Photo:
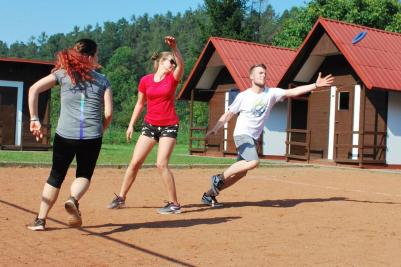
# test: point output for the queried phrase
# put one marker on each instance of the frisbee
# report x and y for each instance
(359, 37)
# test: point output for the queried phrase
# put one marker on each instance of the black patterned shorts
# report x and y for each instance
(156, 132)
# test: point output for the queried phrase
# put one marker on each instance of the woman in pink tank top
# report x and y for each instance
(157, 90)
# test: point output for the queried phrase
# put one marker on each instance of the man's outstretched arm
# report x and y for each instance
(320, 82)
(223, 119)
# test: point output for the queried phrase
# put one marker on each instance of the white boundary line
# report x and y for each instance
(334, 188)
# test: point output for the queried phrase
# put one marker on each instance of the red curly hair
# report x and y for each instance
(77, 61)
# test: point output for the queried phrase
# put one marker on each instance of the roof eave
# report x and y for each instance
(194, 69)
(347, 56)
(230, 68)
(28, 61)
(292, 66)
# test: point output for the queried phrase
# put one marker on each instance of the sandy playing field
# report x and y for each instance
(274, 217)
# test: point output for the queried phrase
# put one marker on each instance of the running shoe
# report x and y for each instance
(211, 201)
(72, 207)
(37, 225)
(170, 208)
(116, 203)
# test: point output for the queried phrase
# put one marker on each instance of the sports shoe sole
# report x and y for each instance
(169, 212)
(36, 227)
(74, 219)
(119, 206)
(213, 205)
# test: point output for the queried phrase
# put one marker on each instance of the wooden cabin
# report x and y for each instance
(16, 76)
(357, 120)
(220, 72)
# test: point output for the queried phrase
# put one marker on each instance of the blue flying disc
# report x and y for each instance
(359, 37)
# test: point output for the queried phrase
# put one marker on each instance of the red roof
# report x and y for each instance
(22, 60)
(238, 56)
(376, 58)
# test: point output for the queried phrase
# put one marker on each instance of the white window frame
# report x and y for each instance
(18, 118)
(357, 116)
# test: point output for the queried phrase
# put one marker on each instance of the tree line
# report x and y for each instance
(125, 46)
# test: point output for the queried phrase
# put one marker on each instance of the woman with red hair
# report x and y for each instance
(85, 113)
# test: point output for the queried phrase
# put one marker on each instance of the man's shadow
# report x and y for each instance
(288, 203)
(159, 224)
(280, 203)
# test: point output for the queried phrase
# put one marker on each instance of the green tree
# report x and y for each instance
(269, 25)
(31, 49)
(381, 14)
(110, 39)
(3, 49)
(225, 18)
(18, 49)
(119, 71)
(395, 25)
(54, 43)
(261, 22)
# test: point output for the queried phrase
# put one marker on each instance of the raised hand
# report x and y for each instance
(170, 41)
(325, 81)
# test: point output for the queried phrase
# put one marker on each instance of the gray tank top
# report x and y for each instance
(81, 113)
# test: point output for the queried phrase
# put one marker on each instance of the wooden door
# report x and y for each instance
(318, 122)
(8, 114)
(216, 109)
(344, 121)
(298, 121)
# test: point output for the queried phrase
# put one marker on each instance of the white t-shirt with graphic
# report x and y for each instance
(254, 109)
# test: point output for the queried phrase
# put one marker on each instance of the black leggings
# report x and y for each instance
(64, 151)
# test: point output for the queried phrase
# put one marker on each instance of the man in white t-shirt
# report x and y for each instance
(254, 106)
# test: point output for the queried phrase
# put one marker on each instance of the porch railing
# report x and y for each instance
(298, 144)
(199, 138)
(378, 147)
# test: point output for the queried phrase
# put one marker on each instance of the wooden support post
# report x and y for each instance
(191, 114)
(309, 132)
(1, 135)
(308, 140)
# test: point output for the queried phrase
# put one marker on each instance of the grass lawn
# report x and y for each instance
(115, 155)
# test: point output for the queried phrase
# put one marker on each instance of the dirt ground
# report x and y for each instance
(274, 217)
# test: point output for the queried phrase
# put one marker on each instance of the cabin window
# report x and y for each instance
(232, 94)
(343, 101)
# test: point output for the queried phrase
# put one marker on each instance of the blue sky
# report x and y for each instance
(22, 19)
